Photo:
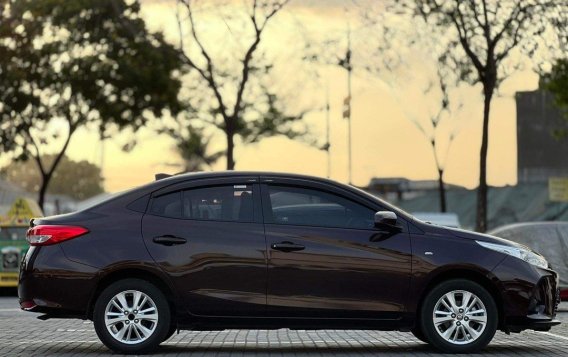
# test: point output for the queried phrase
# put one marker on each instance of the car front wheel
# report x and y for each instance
(459, 316)
(131, 316)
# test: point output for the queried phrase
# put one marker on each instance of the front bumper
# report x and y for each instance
(530, 296)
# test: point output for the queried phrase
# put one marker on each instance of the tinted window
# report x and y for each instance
(220, 203)
(168, 205)
(301, 206)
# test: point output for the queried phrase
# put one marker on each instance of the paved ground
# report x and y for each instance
(22, 334)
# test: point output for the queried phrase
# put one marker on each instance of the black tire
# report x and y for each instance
(433, 334)
(418, 334)
(160, 329)
(171, 331)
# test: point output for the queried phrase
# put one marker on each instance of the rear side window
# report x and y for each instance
(303, 206)
(216, 203)
(168, 205)
(219, 203)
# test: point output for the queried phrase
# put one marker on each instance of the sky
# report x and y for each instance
(385, 143)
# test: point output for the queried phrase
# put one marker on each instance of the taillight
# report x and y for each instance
(48, 235)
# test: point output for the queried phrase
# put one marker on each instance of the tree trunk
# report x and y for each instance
(46, 175)
(230, 149)
(481, 221)
(442, 191)
(45, 179)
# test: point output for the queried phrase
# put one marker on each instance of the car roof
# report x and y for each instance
(131, 194)
(232, 173)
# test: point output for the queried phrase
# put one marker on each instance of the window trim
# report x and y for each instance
(211, 182)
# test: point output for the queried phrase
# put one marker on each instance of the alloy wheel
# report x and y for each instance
(131, 317)
(460, 317)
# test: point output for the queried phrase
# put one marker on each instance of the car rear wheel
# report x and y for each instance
(459, 316)
(132, 316)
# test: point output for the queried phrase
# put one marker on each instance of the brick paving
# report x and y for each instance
(21, 334)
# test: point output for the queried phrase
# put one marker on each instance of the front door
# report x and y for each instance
(326, 258)
(209, 238)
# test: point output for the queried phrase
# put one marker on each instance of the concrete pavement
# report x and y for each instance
(22, 334)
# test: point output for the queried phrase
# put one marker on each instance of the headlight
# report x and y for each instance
(524, 254)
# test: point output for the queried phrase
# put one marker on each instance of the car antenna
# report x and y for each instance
(161, 176)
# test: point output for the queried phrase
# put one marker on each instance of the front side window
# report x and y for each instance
(303, 206)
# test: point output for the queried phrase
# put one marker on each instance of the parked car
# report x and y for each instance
(209, 251)
(547, 238)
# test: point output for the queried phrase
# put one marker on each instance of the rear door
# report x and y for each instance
(326, 258)
(208, 236)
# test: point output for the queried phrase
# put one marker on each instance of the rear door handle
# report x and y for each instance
(169, 240)
(287, 247)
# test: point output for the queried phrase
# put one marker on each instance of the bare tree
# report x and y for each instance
(433, 131)
(484, 34)
(243, 105)
(391, 58)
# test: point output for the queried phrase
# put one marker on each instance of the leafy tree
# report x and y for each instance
(77, 179)
(484, 35)
(556, 81)
(244, 104)
(66, 65)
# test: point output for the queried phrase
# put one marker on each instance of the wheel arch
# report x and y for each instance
(485, 280)
(133, 273)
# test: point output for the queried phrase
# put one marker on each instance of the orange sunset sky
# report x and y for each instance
(385, 142)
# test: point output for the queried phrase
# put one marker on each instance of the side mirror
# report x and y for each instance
(385, 218)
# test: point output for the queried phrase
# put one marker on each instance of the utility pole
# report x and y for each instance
(327, 146)
(347, 109)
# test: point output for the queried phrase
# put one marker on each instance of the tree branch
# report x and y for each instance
(512, 16)
(250, 52)
(207, 74)
(465, 43)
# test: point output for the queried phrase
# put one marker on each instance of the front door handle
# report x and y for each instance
(169, 240)
(287, 246)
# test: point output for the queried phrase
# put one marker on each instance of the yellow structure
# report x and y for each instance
(558, 189)
(13, 244)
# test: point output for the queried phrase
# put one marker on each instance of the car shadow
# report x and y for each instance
(416, 349)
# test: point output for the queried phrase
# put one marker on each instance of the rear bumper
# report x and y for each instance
(52, 284)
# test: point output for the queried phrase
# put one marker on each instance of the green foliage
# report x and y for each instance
(557, 82)
(82, 63)
(77, 179)
(89, 60)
